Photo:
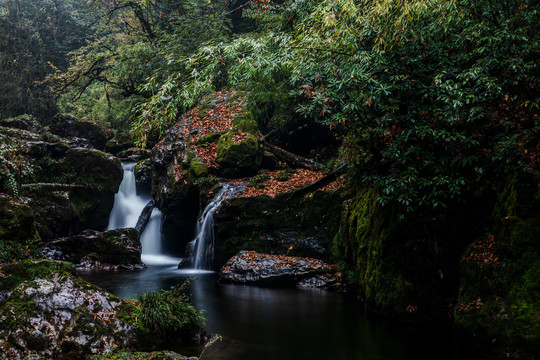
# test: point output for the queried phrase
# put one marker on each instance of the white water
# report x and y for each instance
(202, 248)
(127, 204)
(127, 208)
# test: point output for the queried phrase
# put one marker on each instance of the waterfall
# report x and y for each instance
(128, 207)
(202, 247)
(127, 204)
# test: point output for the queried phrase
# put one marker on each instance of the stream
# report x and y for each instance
(270, 323)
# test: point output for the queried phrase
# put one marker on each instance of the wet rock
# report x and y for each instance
(111, 249)
(69, 126)
(250, 267)
(49, 311)
(143, 176)
(23, 122)
(145, 216)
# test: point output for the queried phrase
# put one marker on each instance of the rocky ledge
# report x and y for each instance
(109, 250)
(250, 267)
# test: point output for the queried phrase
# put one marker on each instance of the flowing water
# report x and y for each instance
(127, 208)
(202, 247)
(259, 323)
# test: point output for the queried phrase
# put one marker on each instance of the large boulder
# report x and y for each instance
(250, 267)
(238, 154)
(111, 249)
(71, 127)
(47, 310)
(18, 232)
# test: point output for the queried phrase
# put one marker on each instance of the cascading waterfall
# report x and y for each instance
(202, 248)
(126, 211)
(127, 204)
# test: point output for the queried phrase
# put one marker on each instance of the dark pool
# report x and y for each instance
(263, 324)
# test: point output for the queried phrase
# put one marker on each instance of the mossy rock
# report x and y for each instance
(69, 126)
(128, 355)
(80, 319)
(211, 138)
(197, 169)
(119, 143)
(94, 168)
(363, 247)
(112, 247)
(238, 157)
(19, 272)
(18, 232)
(300, 227)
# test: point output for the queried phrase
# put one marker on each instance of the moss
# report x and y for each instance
(245, 122)
(238, 158)
(16, 273)
(209, 139)
(364, 252)
(197, 169)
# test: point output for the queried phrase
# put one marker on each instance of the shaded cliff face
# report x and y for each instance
(477, 264)
(302, 226)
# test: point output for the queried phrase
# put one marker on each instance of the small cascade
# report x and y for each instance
(127, 204)
(138, 211)
(202, 247)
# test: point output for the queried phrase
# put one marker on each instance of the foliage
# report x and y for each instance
(432, 98)
(14, 167)
(34, 35)
(140, 55)
(168, 311)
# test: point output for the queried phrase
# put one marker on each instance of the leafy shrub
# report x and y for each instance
(13, 166)
(168, 311)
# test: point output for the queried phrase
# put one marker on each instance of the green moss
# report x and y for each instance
(364, 252)
(209, 139)
(197, 169)
(238, 158)
(245, 122)
(17, 273)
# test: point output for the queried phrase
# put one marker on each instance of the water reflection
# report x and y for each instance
(266, 324)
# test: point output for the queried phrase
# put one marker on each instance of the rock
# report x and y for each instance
(120, 142)
(23, 122)
(100, 169)
(134, 154)
(18, 232)
(49, 311)
(145, 216)
(250, 267)
(238, 154)
(143, 176)
(156, 355)
(114, 249)
(299, 227)
(69, 126)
